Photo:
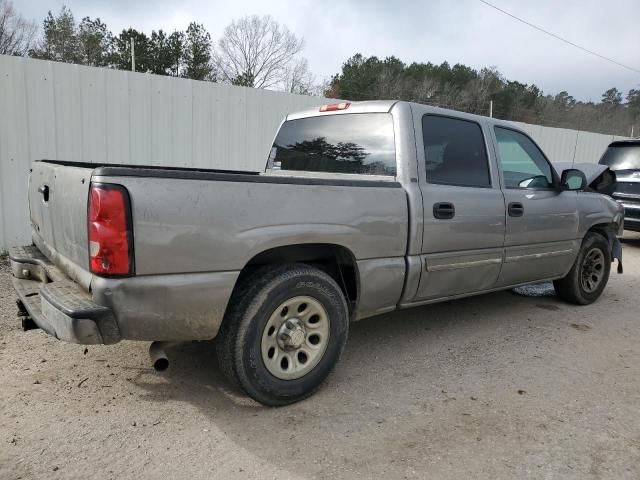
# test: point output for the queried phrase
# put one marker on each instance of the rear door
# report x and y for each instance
(464, 211)
(542, 222)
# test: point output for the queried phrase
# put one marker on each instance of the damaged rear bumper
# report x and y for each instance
(56, 304)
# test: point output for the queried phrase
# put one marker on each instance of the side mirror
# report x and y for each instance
(573, 179)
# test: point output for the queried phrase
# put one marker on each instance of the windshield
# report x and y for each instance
(352, 143)
(623, 157)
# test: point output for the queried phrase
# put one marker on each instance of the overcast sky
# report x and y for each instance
(464, 31)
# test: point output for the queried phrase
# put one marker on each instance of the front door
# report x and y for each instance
(464, 211)
(542, 222)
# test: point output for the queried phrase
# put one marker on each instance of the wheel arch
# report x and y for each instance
(606, 229)
(336, 260)
(609, 231)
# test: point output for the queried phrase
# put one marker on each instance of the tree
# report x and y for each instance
(16, 33)
(612, 97)
(256, 52)
(358, 79)
(160, 59)
(121, 58)
(633, 103)
(60, 40)
(298, 79)
(463, 88)
(198, 53)
(564, 99)
(175, 47)
(95, 43)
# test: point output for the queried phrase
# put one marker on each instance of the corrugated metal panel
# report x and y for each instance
(76, 113)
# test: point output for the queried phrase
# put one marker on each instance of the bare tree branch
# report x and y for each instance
(16, 33)
(257, 52)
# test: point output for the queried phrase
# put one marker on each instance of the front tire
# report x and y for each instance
(588, 277)
(283, 333)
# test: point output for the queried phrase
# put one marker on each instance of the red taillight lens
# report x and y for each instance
(332, 107)
(110, 233)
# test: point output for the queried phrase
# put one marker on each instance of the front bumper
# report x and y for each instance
(631, 214)
(58, 305)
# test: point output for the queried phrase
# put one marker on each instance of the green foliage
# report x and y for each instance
(463, 88)
(121, 58)
(166, 53)
(187, 54)
(60, 40)
(612, 97)
(633, 102)
(95, 43)
(198, 53)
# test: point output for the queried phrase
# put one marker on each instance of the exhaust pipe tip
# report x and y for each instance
(158, 356)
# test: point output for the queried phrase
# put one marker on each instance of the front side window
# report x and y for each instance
(359, 143)
(455, 152)
(523, 164)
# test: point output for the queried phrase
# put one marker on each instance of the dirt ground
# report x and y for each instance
(498, 386)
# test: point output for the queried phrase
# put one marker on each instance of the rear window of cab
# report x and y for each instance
(358, 143)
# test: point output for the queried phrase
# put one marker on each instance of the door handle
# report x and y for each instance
(44, 190)
(516, 209)
(444, 210)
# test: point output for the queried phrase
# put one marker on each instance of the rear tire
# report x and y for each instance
(284, 331)
(589, 275)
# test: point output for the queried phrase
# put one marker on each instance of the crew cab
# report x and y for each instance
(363, 208)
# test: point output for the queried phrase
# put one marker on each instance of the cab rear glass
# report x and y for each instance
(358, 143)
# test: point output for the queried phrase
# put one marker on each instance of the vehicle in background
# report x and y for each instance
(623, 158)
(362, 209)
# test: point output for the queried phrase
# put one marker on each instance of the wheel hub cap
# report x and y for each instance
(291, 334)
(295, 337)
(593, 269)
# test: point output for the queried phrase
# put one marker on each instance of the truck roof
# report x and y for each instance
(370, 106)
(625, 143)
(384, 106)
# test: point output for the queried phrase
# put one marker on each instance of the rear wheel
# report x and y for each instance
(589, 275)
(283, 333)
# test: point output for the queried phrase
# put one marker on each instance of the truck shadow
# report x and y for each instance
(395, 365)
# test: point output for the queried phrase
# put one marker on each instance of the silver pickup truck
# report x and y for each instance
(363, 208)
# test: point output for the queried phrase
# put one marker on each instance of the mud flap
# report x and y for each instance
(616, 251)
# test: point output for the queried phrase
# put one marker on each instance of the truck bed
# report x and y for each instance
(195, 230)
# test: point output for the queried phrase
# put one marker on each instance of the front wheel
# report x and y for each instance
(283, 333)
(589, 275)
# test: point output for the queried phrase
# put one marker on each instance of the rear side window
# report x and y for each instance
(351, 143)
(455, 152)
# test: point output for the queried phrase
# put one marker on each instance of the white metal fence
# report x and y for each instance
(70, 112)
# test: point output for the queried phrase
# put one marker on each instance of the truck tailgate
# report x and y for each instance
(58, 196)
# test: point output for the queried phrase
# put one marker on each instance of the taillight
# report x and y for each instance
(332, 107)
(110, 230)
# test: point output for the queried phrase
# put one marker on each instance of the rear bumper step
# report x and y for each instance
(60, 307)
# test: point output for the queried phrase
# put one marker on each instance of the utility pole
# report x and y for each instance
(133, 56)
(490, 108)
(632, 130)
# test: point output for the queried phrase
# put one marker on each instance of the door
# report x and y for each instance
(464, 211)
(542, 222)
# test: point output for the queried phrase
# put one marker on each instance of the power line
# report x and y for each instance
(560, 38)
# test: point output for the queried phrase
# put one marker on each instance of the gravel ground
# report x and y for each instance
(498, 386)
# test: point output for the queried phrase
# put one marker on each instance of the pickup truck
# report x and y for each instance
(363, 208)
